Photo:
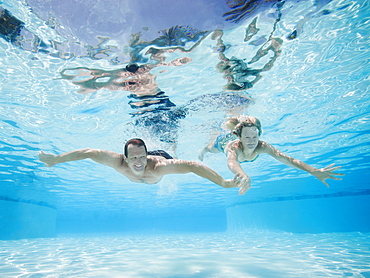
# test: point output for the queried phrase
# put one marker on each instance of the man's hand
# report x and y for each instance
(243, 182)
(327, 173)
(48, 159)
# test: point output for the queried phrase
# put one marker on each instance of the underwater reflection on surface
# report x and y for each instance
(154, 112)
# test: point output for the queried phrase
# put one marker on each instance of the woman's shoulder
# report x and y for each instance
(234, 146)
(236, 143)
(263, 146)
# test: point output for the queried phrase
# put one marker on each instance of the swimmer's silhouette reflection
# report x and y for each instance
(138, 80)
(240, 75)
(242, 9)
(13, 30)
(152, 107)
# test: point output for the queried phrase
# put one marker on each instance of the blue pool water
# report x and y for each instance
(300, 67)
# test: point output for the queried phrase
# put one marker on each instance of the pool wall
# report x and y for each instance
(311, 215)
(318, 215)
(175, 223)
(300, 205)
(343, 207)
(20, 220)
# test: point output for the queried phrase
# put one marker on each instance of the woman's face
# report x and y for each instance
(249, 137)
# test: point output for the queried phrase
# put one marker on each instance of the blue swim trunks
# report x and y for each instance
(160, 153)
(224, 139)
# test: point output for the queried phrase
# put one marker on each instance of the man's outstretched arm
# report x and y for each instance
(103, 157)
(177, 166)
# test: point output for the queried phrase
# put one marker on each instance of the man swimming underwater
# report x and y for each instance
(139, 165)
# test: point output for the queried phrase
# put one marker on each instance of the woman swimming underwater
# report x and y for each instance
(242, 144)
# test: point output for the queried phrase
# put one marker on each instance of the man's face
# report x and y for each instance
(136, 158)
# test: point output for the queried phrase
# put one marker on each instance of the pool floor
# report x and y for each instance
(249, 254)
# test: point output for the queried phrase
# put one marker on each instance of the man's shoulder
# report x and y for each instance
(111, 154)
(117, 159)
(157, 161)
(172, 166)
(162, 163)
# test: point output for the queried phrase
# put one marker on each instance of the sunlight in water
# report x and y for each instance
(93, 74)
(252, 254)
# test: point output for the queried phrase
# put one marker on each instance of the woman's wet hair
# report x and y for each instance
(136, 142)
(243, 121)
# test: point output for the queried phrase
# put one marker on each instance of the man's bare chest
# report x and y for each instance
(146, 177)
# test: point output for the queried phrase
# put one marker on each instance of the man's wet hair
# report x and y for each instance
(136, 142)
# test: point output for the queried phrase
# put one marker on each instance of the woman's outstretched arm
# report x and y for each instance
(321, 174)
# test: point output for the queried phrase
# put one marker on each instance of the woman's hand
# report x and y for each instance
(201, 155)
(327, 173)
